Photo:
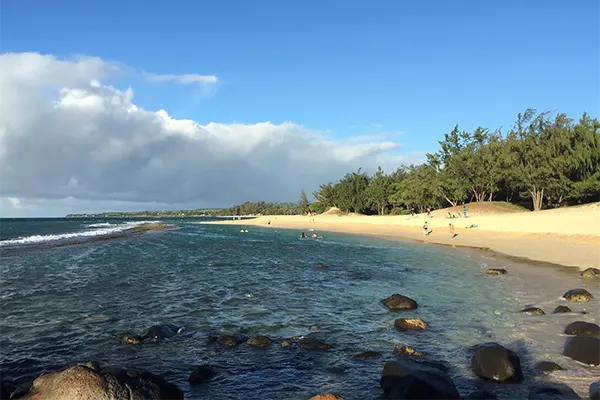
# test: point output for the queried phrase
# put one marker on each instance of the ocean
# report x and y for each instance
(66, 296)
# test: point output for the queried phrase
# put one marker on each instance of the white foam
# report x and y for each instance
(99, 225)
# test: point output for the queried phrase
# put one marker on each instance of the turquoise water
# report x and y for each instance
(60, 305)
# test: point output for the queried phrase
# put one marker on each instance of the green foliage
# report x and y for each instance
(317, 207)
(303, 203)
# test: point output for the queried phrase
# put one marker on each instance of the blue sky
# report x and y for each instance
(349, 67)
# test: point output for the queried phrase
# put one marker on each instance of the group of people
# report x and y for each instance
(314, 236)
(427, 231)
(450, 215)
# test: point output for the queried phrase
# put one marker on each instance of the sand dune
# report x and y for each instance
(567, 236)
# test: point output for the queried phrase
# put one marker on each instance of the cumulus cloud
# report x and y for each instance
(65, 133)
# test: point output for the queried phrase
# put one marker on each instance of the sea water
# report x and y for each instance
(67, 303)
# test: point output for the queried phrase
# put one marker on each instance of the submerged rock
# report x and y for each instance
(397, 302)
(496, 271)
(561, 309)
(322, 266)
(131, 339)
(229, 340)
(404, 380)
(410, 324)
(313, 344)
(549, 391)
(80, 382)
(595, 391)
(590, 273)
(584, 349)
(582, 328)
(497, 363)
(578, 295)
(404, 350)
(367, 355)
(162, 331)
(284, 344)
(201, 374)
(547, 366)
(533, 310)
(481, 395)
(259, 341)
(327, 396)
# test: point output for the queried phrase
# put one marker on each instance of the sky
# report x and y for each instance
(131, 105)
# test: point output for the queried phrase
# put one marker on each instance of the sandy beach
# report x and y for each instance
(567, 236)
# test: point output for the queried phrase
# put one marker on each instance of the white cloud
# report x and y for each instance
(182, 79)
(65, 134)
(14, 202)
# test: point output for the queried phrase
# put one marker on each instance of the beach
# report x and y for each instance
(566, 236)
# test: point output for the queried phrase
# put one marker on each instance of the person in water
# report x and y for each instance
(302, 235)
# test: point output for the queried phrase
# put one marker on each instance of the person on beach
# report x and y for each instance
(428, 212)
(451, 226)
(465, 211)
(269, 222)
(426, 230)
(412, 211)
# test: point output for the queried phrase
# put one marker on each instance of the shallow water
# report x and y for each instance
(59, 305)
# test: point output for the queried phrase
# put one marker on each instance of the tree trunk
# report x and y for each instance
(491, 196)
(453, 203)
(537, 195)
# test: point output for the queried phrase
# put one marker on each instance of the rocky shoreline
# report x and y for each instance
(408, 375)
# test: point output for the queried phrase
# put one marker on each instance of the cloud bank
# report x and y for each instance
(68, 137)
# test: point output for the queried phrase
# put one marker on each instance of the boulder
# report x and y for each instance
(533, 310)
(398, 302)
(367, 355)
(228, 340)
(496, 271)
(259, 341)
(404, 350)
(131, 339)
(549, 391)
(547, 366)
(79, 382)
(161, 331)
(481, 395)
(582, 328)
(309, 343)
(595, 391)
(590, 273)
(200, 374)
(561, 309)
(584, 349)
(6, 388)
(578, 295)
(410, 324)
(327, 396)
(404, 380)
(497, 363)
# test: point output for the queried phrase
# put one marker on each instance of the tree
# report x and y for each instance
(325, 195)
(303, 203)
(379, 190)
(350, 192)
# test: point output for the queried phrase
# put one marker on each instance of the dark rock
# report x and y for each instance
(496, 271)
(336, 370)
(481, 395)
(561, 309)
(21, 389)
(79, 382)
(590, 273)
(404, 350)
(212, 339)
(497, 363)
(131, 339)
(533, 310)
(595, 391)
(403, 380)
(397, 302)
(548, 391)
(313, 344)
(201, 374)
(259, 341)
(6, 388)
(578, 295)
(584, 349)
(582, 328)
(547, 366)
(367, 355)
(410, 324)
(229, 340)
(327, 396)
(161, 331)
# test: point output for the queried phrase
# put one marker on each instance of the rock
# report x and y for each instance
(201, 374)
(284, 344)
(397, 302)
(21, 389)
(595, 391)
(481, 395)
(548, 366)
(335, 370)
(533, 310)
(327, 396)
(496, 271)
(410, 324)
(6, 388)
(407, 351)
(79, 382)
(497, 363)
(131, 339)
(578, 295)
(404, 380)
(259, 341)
(582, 328)
(161, 331)
(548, 391)
(228, 340)
(561, 309)
(313, 344)
(584, 349)
(367, 355)
(590, 273)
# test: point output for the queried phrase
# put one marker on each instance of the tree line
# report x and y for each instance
(545, 160)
